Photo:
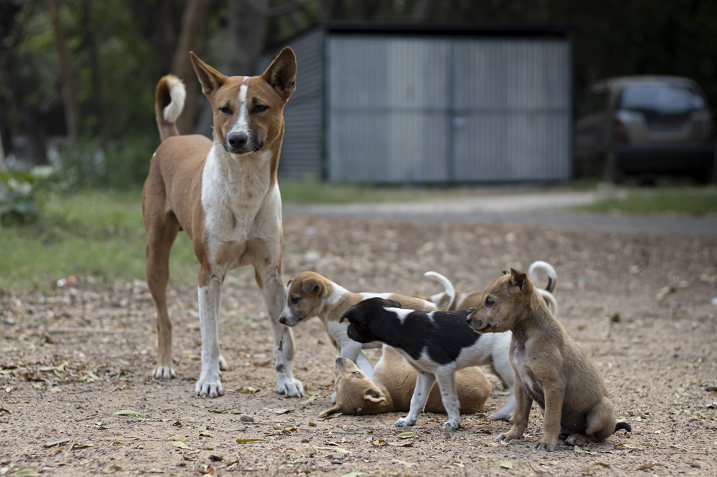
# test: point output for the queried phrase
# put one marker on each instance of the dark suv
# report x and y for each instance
(645, 125)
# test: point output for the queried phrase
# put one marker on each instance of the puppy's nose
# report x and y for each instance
(237, 140)
(469, 319)
(339, 360)
(282, 320)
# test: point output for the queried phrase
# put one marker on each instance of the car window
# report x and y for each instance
(594, 103)
(662, 98)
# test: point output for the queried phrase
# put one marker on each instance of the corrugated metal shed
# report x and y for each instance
(388, 104)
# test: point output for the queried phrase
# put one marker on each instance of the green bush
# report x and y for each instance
(18, 194)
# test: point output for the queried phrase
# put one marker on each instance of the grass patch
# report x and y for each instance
(92, 233)
(315, 192)
(101, 234)
(693, 201)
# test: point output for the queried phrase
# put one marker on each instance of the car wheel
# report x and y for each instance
(704, 176)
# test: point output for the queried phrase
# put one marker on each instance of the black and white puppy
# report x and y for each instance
(436, 344)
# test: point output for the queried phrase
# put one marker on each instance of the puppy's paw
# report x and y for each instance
(451, 425)
(289, 386)
(164, 372)
(502, 415)
(404, 422)
(574, 440)
(333, 398)
(209, 386)
(222, 363)
(507, 436)
(545, 446)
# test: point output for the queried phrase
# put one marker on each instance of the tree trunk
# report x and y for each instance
(182, 66)
(100, 105)
(3, 164)
(72, 111)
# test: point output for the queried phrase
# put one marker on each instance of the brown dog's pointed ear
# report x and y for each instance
(333, 410)
(281, 73)
(373, 398)
(313, 286)
(518, 279)
(210, 78)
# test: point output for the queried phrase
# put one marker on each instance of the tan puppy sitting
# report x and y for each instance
(551, 369)
(393, 384)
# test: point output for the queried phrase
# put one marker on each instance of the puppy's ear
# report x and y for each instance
(281, 73)
(518, 279)
(374, 398)
(313, 286)
(210, 78)
(348, 315)
(393, 304)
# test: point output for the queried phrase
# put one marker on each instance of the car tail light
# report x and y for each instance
(620, 131)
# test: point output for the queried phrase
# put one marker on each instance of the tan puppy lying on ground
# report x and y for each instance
(393, 384)
(550, 367)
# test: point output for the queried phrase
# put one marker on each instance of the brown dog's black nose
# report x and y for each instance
(237, 140)
(339, 360)
(282, 320)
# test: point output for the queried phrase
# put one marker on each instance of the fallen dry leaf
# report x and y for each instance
(180, 444)
(177, 437)
(244, 441)
(506, 464)
(406, 435)
(127, 412)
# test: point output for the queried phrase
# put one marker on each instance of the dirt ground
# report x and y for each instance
(73, 360)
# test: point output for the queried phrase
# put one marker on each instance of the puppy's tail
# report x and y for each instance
(447, 300)
(168, 105)
(549, 270)
(622, 425)
(549, 300)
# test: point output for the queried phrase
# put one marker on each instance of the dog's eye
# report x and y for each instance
(294, 300)
(225, 110)
(357, 373)
(260, 108)
(489, 302)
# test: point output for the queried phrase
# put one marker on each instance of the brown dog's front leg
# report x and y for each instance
(523, 403)
(551, 422)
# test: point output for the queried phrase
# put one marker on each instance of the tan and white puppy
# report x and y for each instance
(392, 387)
(470, 299)
(550, 368)
(310, 294)
(223, 193)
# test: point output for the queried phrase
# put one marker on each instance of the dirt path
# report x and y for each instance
(70, 361)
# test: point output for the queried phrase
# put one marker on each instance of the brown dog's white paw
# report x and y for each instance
(164, 372)
(290, 386)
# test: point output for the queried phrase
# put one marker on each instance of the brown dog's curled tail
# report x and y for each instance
(622, 425)
(168, 105)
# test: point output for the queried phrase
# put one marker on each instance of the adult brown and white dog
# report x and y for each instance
(392, 386)
(224, 194)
